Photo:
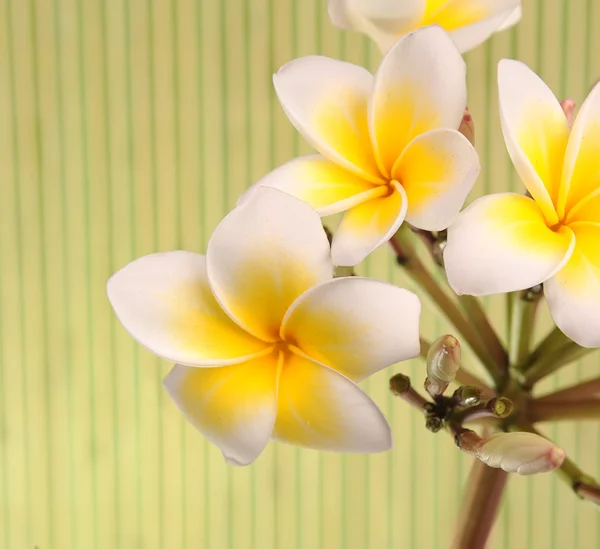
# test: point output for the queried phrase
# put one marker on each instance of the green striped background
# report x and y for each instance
(128, 127)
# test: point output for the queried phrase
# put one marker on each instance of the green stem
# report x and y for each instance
(583, 485)
(523, 310)
(549, 363)
(463, 376)
(587, 389)
(485, 488)
(476, 315)
(564, 411)
(407, 257)
(550, 344)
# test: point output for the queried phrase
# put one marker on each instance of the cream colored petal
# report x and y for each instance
(326, 100)
(501, 243)
(355, 325)
(513, 18)
(367, 226)
(263, 255)
(384, 21)
(234, 407)
(470, 36)
(437, 170)
(419, 86)
(536, 132)
(320, 408)
(325, 186)
(573, 294)
(581, 176)
(164, 301)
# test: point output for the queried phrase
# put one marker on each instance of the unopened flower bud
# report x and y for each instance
(443, 361)
(467, 126)
(522, 453)
(467, 396)
(501, 407)
(568, 107)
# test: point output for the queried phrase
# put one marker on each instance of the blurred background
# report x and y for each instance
(131, 126)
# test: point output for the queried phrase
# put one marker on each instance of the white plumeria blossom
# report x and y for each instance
(268, 343)
(508, 242)
(469, 22)
(521, 453)
(389, 146)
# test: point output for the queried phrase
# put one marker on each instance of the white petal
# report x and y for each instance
(437, 170)
(320, 408)
(325, 186)
(573, 294)
(367, 226)
(263, 255)
(501, 243)
(164, 301)
(384, 21)
(581, 176)
(419, 86)
(355, 325)
(326, 100)
(514, 17)
(536, 132)
(234, 407)
(470, 36)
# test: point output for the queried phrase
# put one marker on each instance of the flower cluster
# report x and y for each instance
(267, 343)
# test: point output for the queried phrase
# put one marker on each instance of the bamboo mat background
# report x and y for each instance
(128, 127)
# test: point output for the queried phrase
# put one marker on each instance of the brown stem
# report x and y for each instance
(586, 389)
(470, 304)
(588, 491)
(407, 257)
(485, 487)
(463, 376)
(564, 410)
(400, 386)
(476, 314)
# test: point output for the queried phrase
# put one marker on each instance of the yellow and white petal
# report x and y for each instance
(164, 301)
(384, 21)
(368, 226)
(234, 407)
(501, 243)
(573, 294)
(320, 408)
(263, 255)
(437, 170)
(536, 132)
(355, 325)
(473, 34)
(419, 86)
(326, 100)
(581, 177)
(325, 186)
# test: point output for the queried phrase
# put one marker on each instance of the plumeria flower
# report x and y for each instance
(508, 242)
(267, 343)
(469, 22)
(389, 146)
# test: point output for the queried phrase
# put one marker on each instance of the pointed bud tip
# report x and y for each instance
(467, 126)
(568, 107)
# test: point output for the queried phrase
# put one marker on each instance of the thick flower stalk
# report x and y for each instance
(469, 22)
(389, 146)
(267, 343)
(508, 242)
